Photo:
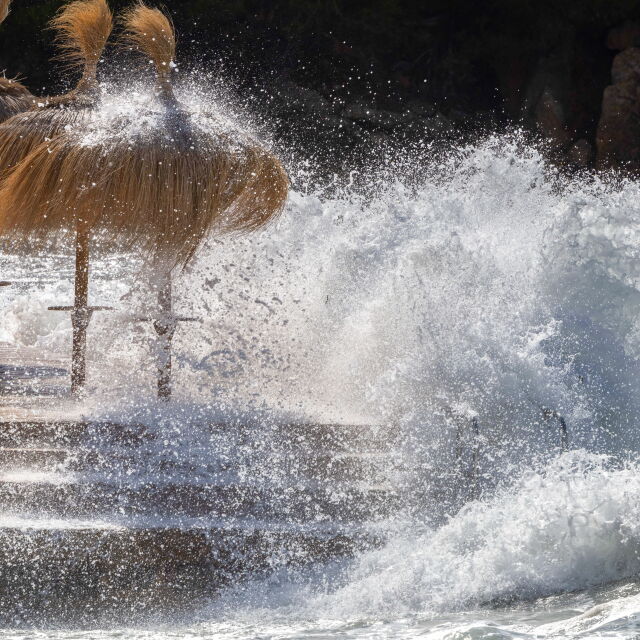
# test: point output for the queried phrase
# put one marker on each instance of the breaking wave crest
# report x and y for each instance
(487, 290)
(572, 525)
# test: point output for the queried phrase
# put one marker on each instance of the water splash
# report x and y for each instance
(491, 286)
(486, 286)
(570, 526)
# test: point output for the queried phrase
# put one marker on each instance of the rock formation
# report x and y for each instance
(618, 135)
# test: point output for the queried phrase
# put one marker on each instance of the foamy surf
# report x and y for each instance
(488, 288)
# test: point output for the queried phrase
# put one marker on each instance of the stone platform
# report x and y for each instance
(101, 521)
(95, 525)
(91, 573)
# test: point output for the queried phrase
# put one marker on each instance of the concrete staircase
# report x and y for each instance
(104, 521)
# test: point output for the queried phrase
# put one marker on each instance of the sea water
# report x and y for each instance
(474, 288)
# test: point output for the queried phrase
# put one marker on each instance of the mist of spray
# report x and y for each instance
(485, 289)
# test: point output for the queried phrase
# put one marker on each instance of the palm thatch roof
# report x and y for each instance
(4, 9)
(157, 184)
(14, 98)
(83, 27)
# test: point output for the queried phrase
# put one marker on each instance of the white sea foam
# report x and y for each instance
(497, 564)
(487, 287)
(571, 526)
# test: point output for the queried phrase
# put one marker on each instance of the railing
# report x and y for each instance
(469, 424)
(551, 414)
(466, 424)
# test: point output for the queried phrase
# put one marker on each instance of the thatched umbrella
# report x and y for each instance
(158, 184)
(83, 27)
(14, 96)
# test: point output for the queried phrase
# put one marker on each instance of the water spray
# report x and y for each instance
(160, 187)
(551, 414)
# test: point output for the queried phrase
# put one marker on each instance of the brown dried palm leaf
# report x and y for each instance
(14, 98)
(4, 9)
(83, 28)
(157, 184)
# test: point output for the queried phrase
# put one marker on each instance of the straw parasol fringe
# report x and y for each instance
(160, 192)
(142, 198)
(151, 32)
(14, 98)
(83, 28)
(4, 9)
(161, 200)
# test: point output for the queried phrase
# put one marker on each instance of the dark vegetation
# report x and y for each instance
(357, 68)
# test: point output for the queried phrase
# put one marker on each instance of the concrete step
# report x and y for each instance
(321, 438)
(28, 373)
(335, 438)
(346, 467)
(33, 380)
(12, 372)
(132, 522)
(48, 434)
(121, 461)
(74, 499)
(42, 459)
(85, 573)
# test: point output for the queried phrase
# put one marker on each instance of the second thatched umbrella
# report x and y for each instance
(83, 27)
(158, 181)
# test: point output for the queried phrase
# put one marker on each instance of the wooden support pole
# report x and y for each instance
(165, 324)
(81, 314)
(165, 327)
